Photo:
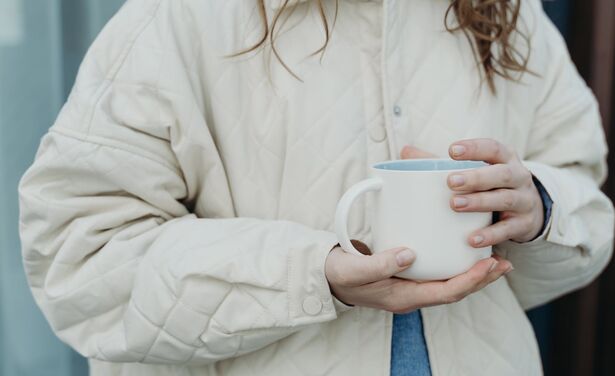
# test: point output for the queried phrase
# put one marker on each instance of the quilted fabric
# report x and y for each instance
(179, 212)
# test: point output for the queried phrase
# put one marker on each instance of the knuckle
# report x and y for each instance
(487, 235)
(473, 179)
(509, 200)
(526, 175)
(514, 228)
(475, 201)
(503, 232)
(527, 225)
(396, 307)
(497, 147)
(508, 231)
(473, 147)
(393, 302)
(507, 174)
(388, 304)
(531, 205)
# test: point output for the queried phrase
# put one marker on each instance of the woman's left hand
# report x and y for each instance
(505, 186)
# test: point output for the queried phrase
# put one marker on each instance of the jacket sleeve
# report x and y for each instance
(124, 273)
(120, 266)
(567, 153)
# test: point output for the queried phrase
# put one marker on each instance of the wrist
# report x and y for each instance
(341, 305)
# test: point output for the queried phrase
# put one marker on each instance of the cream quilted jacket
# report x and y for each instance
(178, 215)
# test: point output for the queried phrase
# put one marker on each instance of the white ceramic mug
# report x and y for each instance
(412, 210)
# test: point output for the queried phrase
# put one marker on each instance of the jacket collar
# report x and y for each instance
(277, 4)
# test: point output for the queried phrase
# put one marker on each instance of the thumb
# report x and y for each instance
(381, 265)
(412, 152)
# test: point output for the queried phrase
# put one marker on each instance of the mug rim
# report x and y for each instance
(462, 165)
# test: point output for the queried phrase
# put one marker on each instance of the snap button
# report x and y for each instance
(378, 133)
(312, 305)
(397, 110)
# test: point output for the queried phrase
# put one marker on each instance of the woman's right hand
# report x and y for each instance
(368, 280)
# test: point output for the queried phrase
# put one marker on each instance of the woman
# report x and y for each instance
(178, 217)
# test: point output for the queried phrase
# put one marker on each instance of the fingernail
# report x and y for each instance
(458, 150)
(405, 257)
(510, 269)
(457, 180)
(460, 202)
(478, 239)
(493, 266)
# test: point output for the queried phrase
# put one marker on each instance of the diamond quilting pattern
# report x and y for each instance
(241, 143)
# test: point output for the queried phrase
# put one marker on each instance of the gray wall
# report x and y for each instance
(41, 45)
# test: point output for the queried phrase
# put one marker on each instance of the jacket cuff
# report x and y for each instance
(340, 306)
(310, 299)
(547, 205)
(547, 184)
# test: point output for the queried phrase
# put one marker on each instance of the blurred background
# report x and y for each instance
(41, 45)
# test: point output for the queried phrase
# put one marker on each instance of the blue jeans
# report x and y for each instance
(408, 349)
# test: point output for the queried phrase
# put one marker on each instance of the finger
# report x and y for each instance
(401, 296)
(503, 267)
(486, 178)
(412, 152)
(382, 295)
(511, 227)
(356, 270)
(481, 149)
(456, 288)
(491, 201)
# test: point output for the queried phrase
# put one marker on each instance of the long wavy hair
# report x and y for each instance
(489, 25)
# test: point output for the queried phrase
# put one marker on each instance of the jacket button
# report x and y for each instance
(378, 133)
(397, 111)
(312, 305)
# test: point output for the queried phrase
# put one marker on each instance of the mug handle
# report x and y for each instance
(343, 210)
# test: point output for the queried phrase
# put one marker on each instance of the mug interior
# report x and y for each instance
(428, 165)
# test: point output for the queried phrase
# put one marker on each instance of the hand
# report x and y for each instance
(367, 281)
(506, 187)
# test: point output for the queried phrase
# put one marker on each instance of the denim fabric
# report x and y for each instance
(408, 348)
